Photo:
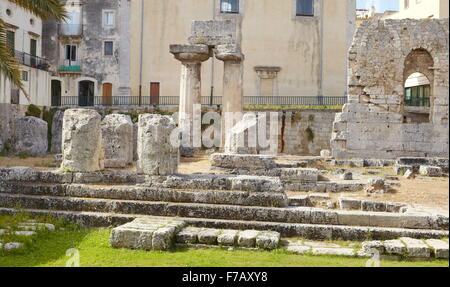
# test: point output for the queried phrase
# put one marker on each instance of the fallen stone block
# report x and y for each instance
(298, 249)
(416, 248)
(432, 171)
(208, 236)
(367, 205)
(300, 175)
(325, 153)
(242, 161)
(247, 238)
(12, 246)
(350, 203)
(188, 235)
(409, 174)
(394, 247)
(268, 240)
(228, 237)
(163, 238)
(402, 169)
(440, 248)
(301, 200)
(347, 176)
(256, 183)
(373, 247)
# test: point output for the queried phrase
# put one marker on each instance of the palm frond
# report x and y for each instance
(44, 9)
(8, 62)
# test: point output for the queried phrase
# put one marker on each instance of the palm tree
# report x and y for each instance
(44, 9)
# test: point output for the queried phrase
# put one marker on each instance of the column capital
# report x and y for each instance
(229, 52)
(190, 53)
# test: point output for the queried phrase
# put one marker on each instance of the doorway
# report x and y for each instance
(107, 94)
(86, 93)
(154, 93)
(56, 93)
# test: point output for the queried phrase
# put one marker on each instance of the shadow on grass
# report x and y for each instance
(45, 248)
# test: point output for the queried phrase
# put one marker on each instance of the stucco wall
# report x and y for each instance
(271, 36)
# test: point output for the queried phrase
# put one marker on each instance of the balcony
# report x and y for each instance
(67, 66)
(70, 30)
(31, 61)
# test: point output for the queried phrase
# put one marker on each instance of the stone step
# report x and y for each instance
(232, 212)
(306, 231)
(121, 192)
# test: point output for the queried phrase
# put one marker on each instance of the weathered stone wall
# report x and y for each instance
(376, 122)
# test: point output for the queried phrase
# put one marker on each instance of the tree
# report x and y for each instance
(44, 9)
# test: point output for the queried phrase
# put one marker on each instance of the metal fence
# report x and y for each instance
(31, 61)
(206, 101)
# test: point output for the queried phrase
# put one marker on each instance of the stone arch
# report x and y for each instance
(418, 102)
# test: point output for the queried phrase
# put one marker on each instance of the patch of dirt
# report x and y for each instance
(195, 165)
(46, 161)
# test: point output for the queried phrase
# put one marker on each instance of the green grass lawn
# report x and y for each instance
(49, 250)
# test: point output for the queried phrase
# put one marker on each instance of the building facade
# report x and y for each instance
(117, 52)
(24, 38)
(292, 48)
(421, 9)
(90, 53)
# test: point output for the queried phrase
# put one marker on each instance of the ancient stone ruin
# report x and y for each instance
(82, 141)
(30, 136)
(157, 154)
(117, 134)
(209, 38)
(380, 120)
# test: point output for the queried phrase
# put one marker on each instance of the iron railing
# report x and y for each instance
(31, 61)
(207, 101)
(418, 102)
(70, 30)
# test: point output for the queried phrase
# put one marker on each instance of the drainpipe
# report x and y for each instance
(211, 100)
(141, 51)
(322, 14)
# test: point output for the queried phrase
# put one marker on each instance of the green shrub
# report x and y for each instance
(33, 111)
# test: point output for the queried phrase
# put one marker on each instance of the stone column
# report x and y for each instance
(157, 154)
(82, 141)
(191, 58)
(232, 100)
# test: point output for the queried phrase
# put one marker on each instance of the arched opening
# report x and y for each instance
(86, 93)
(418, 85)
(107, 94)
(56, 93)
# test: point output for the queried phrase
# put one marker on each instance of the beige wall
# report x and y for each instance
(419, 9)
(271, 36)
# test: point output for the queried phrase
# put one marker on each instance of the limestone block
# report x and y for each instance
(347, 176)
(57, 126)
(208, 236)
(228, 237)
(439, 247)
(268, 240)
(300, 175)
(301, 200)
(244, 161)
(247, 238)
(409, 174)
(256, 183)
(239, 139)
(131, 238)
(371, 247)
(298, 249)
(213, 32)
(433, 171)
(416, 248)
(12, 245)
(402, 169)
(188, 235)
(82, 141)
(367, 205)
(117, 134)
(157, 154)
(30, 136)
(163, 238)
(350, 203)
(394, 247)
(135, 141)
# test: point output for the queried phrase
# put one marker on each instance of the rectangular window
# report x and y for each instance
(25, 76)
(109, 18)
(71, 53)
(11, 40)
(229, 6)
(109, 48)
(305, 8)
